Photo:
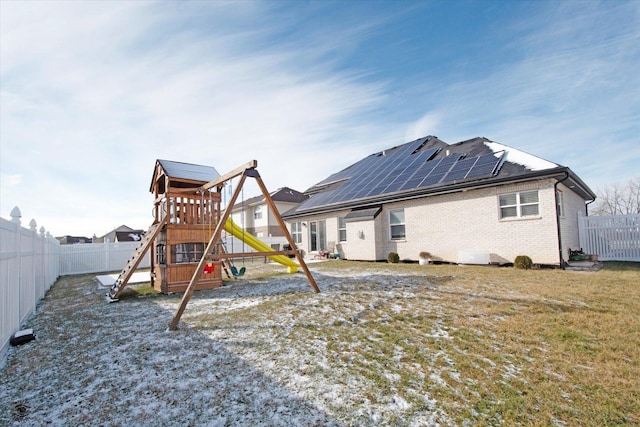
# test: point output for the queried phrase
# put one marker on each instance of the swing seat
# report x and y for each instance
(236, 272)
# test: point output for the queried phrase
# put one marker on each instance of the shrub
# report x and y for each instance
(393, 258)
(424, 255)
(523, 262)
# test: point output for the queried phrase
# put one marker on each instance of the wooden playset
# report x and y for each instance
(185, 239)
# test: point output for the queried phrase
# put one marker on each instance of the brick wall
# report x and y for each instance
(574, 206)
(444, 225)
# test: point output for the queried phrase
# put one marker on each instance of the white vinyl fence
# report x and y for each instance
(28, 267)
(84, 258)
(31, 261)
(611, 237)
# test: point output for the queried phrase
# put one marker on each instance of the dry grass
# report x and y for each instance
(392, 344)
(520, 347)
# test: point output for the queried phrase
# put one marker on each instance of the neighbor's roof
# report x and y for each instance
(284, 194)
(188, 171)
(428, 166)
(129, 236)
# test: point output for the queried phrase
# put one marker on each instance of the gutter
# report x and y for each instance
(555, 196)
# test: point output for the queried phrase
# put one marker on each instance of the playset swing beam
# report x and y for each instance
(209, 254)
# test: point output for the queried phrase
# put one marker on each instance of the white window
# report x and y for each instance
(257, 212)
(296, 232)
(342, 229)
(184, 253)
(560, 203)
(396, 224)
(518, 205)
(161, 253)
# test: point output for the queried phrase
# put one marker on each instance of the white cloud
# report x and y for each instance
(425, 125)
(105, 92)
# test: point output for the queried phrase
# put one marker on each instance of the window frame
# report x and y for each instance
(402, 224)
(257, 212)
(342, 229)
(187, 253)
(161, 254)
(296, 232)
(518, 205)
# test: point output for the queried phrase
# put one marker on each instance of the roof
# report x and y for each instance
(362, 214)
(188, 171)
(284, 194)
(129, 236)
(429, 166)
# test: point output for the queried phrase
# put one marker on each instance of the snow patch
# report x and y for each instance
(527, 160)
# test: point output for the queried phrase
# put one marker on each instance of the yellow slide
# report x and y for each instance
(259, 245)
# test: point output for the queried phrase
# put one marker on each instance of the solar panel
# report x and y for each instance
(460, 169)
(486, 165)
(409, 165)
(368, 175)
(402, 168)
(412, 183)
(481, 170)
(440, 170)
(319, 199)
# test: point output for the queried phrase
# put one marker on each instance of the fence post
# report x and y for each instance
(16, 215)
(44, 262)
(16, 274)
(107, 265)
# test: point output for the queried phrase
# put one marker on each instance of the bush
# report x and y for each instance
(393, 258)
(523, 262)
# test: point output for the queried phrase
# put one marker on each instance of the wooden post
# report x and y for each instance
(247, 170)
(284, 229)
(212, 242)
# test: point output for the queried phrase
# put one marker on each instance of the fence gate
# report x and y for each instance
(611, 237)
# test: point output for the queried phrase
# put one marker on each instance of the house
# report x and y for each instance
(476, 202)
(119, 234)
(257, 217)
(71, 240)
(129, 236)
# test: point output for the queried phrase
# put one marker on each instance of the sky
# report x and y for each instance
(92, 93)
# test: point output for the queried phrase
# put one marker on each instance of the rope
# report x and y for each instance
(205, 236)
(243, 224)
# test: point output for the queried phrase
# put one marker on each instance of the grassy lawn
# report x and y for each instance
(388, 344)
(489, 345)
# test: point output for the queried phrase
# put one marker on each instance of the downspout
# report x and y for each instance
(586, 207)
(555, 196)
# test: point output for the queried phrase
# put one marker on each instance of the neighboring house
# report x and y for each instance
(112, 236)
(256, 217)
(70, 240)
(473, 202)
(129, 236)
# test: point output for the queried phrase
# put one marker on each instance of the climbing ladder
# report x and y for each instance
(134, 261)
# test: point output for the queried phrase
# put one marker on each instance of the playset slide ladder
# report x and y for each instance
(134, 261)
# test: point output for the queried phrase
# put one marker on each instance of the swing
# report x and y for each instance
(236, 272)
(239, 273)
(209, 267)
